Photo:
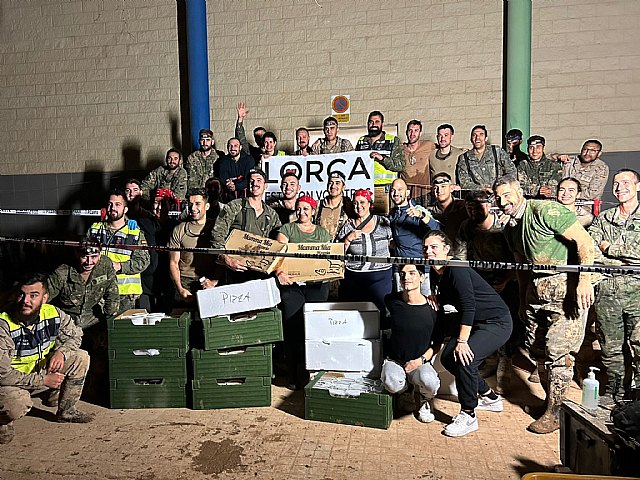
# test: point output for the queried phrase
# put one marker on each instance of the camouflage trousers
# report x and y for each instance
(618, 323)
(555, 325)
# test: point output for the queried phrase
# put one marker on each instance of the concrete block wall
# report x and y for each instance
(586, 73)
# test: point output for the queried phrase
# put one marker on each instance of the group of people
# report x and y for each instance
(482, 203)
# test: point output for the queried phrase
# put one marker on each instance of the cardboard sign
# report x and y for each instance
(311, 269)
(240, 240)
(238, 298)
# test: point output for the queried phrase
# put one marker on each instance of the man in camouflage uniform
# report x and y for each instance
(331, 143)
(171, 176)
(538, 174)
(616, 233)
(335, 208)
(449, 211)
(588, 169)
(478, 168)
(200, 165)
(86, 290)
(553, 305)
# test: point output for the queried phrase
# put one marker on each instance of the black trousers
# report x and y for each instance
(485, 339)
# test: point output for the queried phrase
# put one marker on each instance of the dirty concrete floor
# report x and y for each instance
(275, 442)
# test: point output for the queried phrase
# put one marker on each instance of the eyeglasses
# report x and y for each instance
(591, 150)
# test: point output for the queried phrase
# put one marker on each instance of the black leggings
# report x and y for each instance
(484, 340)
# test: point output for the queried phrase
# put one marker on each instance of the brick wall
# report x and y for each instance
(95, 84)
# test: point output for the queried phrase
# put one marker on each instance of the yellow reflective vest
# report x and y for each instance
(33, 347)
(381, 176)
(127, 284)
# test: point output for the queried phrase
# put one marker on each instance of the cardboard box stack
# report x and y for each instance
(239, 324)
(343, 345)
(147, 360)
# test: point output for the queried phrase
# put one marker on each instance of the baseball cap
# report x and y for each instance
(513, 134)
(535, 139)
(205, 133)
(258, 172)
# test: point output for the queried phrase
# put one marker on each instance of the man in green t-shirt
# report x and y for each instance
(553, 306)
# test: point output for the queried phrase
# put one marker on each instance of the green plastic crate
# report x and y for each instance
(352, 407)
(148, 392)
(169, 362)
(249, 328)
(252, 361)
(231, 392)
(169, 332)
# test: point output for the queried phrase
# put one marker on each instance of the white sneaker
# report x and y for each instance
(462, 424)
(425, 413)
(485, 403)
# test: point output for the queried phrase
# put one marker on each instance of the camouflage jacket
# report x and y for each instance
(320, 147)
(624, 237)
(239, 214)
(199, 169)
(75, 296)
(533, 175)
(162, 177)
(593, 176)
(473, 173)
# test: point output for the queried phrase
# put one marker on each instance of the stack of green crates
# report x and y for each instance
(234, 369)
(147, 363)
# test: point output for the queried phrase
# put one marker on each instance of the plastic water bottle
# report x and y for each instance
(590, 391)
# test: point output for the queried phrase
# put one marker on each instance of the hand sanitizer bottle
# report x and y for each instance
(590, 391)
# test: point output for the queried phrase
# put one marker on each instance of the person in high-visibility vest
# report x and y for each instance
(115, 233)
(387, 166)
(39, 352)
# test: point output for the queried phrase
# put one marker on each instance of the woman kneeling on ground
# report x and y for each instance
(484, 326)
(414, 341)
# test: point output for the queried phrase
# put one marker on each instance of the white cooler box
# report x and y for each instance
(238, 298)
(341, 321)
(357, 355)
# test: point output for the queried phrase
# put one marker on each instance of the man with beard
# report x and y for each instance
(336, 208)
(416, 156)
(302, 139)
(387, 166)
(258, 134)
(538, 174)
(587, 168)
(39, 352)
(234, 171)
(481, 166)
(248, 214)
(188, 269)
(480, 237)
(115, 232)
(445, 156)
(331, 143)
(171, 176)
(286, 206)
(554, 306)
(616, 233)
(450, 212)
(201, 164)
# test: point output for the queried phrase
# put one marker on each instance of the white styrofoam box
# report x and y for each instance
(341, 320)
(238, 298)
(447, 380)
(359, 355)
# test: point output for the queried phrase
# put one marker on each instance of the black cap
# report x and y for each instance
(257, 171)
(535, 139)
(514, 134)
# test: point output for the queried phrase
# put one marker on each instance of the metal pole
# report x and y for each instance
(518, 65)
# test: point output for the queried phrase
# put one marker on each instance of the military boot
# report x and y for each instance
(503, 375)
(536, 411)
(7, 432)
(70, 392)
(559, 382)
(613, 392)
(52, 398)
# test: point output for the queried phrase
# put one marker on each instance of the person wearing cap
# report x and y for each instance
(258, 134)
(335, 208)
(445, 156)
(249, 214)
(171, 176)
(331, 143)
(285, 207)
(449, 211)
(234, 170)
(302, 139)
(478, 168)
(513, 139)
(588, 168)
(366, 234)
(293, 295)
(201, 164)
(480, 238)
(538, 174)
(416, 156)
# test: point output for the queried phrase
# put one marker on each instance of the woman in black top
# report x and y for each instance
(414, 340)
(484, 326)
